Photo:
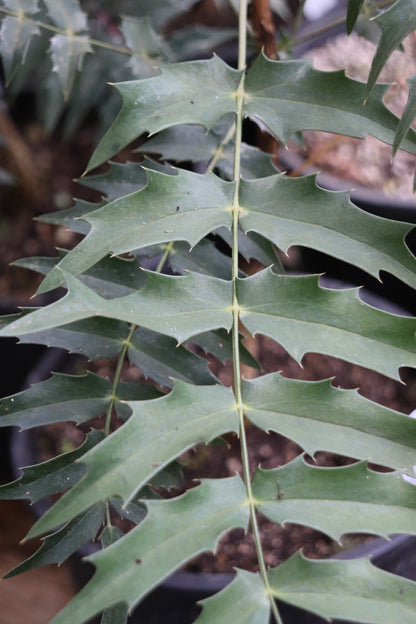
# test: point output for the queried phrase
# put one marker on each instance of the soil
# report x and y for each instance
(368, 162)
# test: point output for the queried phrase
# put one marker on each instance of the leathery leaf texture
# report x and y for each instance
(177, 265)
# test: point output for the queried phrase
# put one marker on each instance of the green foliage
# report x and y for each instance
(175, 323)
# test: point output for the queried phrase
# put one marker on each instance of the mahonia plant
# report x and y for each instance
(118, 304)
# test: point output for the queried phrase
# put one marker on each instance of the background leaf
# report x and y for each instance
(15, 38)
(396, 23)
(408, 114)
(146, 45)
(61, 397)
(56, 548)
(67, 56)
(52, 476)
(159, 358)
(353, 10)
(67, 14)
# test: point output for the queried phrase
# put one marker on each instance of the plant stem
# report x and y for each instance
(61, 31)
(298, 18)
(219, 151)
(116, 378)
(236, 312)
(164, 257)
